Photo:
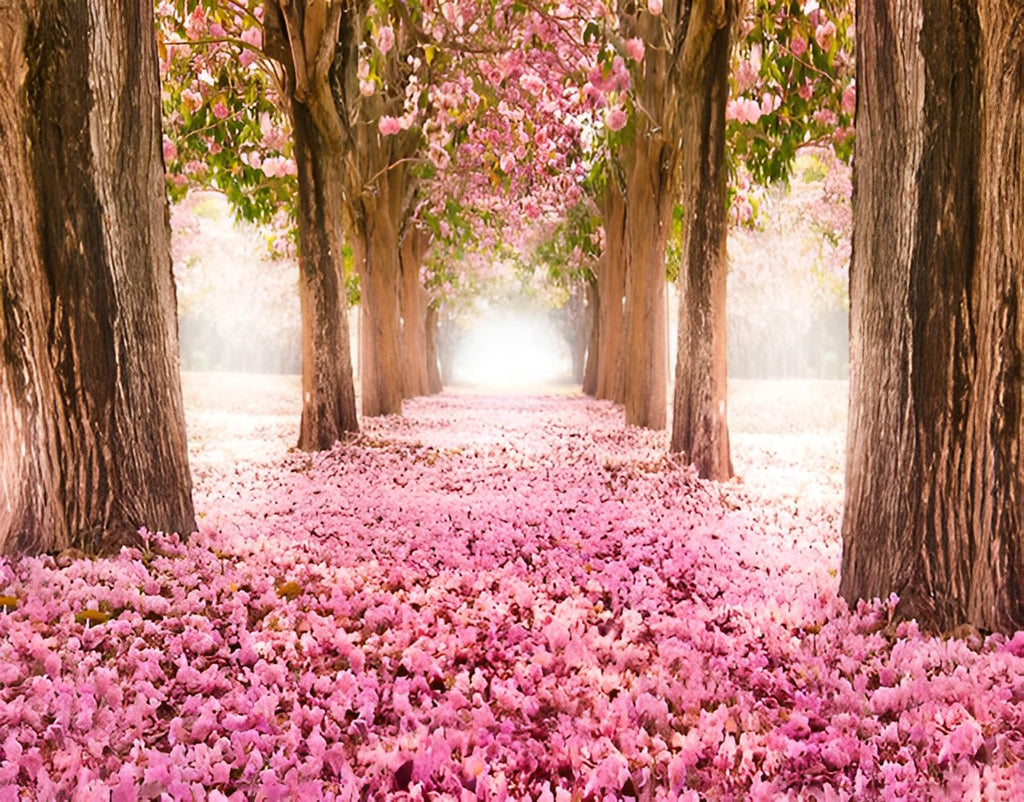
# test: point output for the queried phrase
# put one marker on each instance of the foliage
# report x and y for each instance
(792, 85)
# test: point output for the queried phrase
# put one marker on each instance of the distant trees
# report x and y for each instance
(935, 456)
(92, 430)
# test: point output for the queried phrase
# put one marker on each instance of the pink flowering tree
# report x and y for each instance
(234, 123)
(671, 115)
(792, 87)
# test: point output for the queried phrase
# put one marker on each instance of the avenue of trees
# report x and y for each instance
(386, 136)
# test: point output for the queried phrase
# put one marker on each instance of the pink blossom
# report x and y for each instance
(388, 126)
(385, 39)
(192, 99)
(825, 33)
(220, 110)
(798, 45)
(616, 119)
(654, 6)
(635, 49)
(170, 150)
(849, 102)
(254, 38)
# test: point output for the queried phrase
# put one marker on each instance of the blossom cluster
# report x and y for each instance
(514, 598)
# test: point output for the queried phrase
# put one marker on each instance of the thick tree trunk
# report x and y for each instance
(594, 340)
(649, 199)
(92, 428)
(413, 299)
(328, 391)
(434, 383)
(611, 288)
(935, 457)
(699, 420)
(375, 245)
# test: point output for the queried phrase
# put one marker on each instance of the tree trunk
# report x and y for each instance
(576, 326)
(413, 299)
(375, 245)
(699, 420)
(328, 391)
(611, 287)
(434, 383)
(594, 341)
(92, 428)
(935, 456)
(649, 199)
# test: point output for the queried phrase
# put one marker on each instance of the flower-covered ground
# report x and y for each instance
(492, 598)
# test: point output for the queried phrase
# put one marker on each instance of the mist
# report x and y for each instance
(506, 349)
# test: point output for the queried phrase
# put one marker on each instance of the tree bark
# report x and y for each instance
(434, 383)
(699, 420)
(594, 340)
(934, 506)
(413, 299)
(319, 43)
(611, 288)
(92, 428)
(328, 390)
(374, 238)
(649, 199)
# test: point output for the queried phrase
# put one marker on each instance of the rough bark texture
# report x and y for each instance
(611, 288)
(92, 428)
(375, 243)
(935, 456)
(413, 299)
(294, 31)
(649, 199)
(699, 421)
(594, 341)
(328, 391)
(681, 75)
(318, 42)
(434, 383)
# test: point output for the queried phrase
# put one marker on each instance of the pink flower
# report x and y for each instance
(635, 48)
(849, 102)
(367, 87)
(798, 45)
(389, 126)
(507, 162)
(615, 119)
(531, 83)
(385, 39)
(253, 37)
(170, 150)
(654, 6)
(191, 99)
(824, 34)
(220, 111)
(744, 110)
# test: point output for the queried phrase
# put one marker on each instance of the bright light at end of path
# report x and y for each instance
(508, 350)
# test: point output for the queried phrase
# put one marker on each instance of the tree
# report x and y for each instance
(236, 122)
(413, 303)
(699, 422)
(92, 429)
(935, 458)
(790, 89)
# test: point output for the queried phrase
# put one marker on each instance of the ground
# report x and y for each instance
(490, 598)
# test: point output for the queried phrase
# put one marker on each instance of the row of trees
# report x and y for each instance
(90, 405)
